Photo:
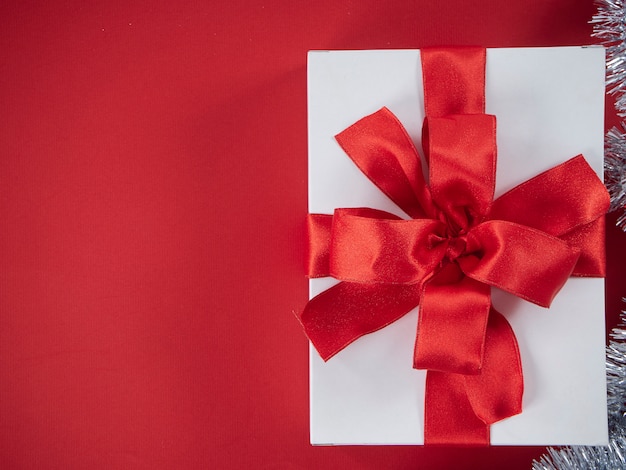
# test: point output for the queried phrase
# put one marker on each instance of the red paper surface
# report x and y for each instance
(152, 208)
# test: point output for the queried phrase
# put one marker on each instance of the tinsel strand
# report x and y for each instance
(609, 25)
(615, 170)
(613, 456)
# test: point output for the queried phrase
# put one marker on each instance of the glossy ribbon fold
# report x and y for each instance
(457, 244)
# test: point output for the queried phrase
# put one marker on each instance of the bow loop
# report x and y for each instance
(461, 153)
(380, 146)
(521, 260)
(557, 201)
(377, 247)
(452, 321)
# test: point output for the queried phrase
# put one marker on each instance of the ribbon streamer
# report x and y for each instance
(457, 243)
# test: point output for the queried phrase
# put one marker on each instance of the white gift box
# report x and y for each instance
(549, 106)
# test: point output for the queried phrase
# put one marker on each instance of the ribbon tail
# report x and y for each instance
(461, 408)
(345, 312)
(496, 393)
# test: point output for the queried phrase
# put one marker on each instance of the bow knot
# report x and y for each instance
(456, 247)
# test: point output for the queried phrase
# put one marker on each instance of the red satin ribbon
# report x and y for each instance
(458, 243)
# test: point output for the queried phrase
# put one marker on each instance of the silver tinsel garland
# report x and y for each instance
(615, 171)
(609, 25)
(612, 457)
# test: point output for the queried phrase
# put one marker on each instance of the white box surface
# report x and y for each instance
(549, 106)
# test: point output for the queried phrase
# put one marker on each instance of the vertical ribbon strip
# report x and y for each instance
(457, 243)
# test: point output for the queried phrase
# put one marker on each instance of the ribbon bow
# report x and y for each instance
(458, 243)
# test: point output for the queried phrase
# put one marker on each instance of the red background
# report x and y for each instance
(152, 198)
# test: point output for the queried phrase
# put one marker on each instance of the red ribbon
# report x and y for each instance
(458, 243)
